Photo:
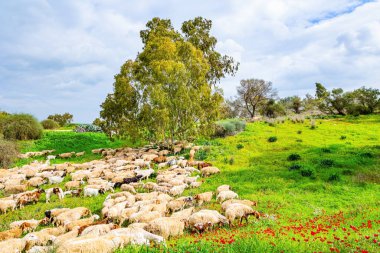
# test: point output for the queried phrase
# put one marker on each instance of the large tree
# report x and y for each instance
(253, 93)
(62, 119)
(170, 90)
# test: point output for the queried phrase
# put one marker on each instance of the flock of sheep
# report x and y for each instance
(154, 210)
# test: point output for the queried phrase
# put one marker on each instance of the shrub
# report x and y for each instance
(334, 177)
(231, 161)
(347, 172)
(299, 132)
(22, 127)
(299, 140)
(228, 127)
(83, 128)
(366, 155)
(307, 172)
(326, 150)
(49, 124)
(327, 163)
(343, 137)
(294, 157)
(272, 139)
(239, 146)
(8, 153)
(295, 167)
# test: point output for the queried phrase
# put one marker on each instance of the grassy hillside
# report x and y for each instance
(319, 185)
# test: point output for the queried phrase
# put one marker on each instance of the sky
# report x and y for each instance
(61, 56)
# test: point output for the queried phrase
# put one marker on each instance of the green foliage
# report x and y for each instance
(62, 119)
(49, 124)
(299, 132)
(343, 137)
(295, 167)
(8, 153)
(231, 161)
(334, 177)
(169, 92)
(239, 146)
(327, 163)
(307, 172)
(21, 127)
(272, 139)
(294, 157)
(229, 127)
(83, 128)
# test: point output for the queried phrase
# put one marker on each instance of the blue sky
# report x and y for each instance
(61, 56)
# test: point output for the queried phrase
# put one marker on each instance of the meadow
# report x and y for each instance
(317, 182)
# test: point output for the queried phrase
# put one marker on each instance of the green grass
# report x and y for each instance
(342, 191)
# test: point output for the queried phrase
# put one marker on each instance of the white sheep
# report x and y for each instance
(177, 190)
(239, 211)
(225, 195)
(13, 245)
(226, 203)
(6, 204)
(98, 230)
(208, 171)
(166, 226)
(55, 179)
(54, 190)
(203, 197)
(92, 192)
(206, 218)
(221, 188)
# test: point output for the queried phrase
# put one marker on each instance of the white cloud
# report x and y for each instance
(58, 56)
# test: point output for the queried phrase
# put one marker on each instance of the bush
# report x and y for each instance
(83, 128)
(201, 155)
(307, 172)
(327, 163)
(299, 140)
(231, 161)
(299, 132)
(239, 146)
(343, 137)
(8, 153)
(347, 172)
(228, 127)
(22, 127)
(272, 139)
(49, 124)
(295, 167)
(334, 177)
(326, 150)
(367, 155)
(294, 157)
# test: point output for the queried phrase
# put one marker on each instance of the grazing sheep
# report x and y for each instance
(67, 236)
(240, 201)
(128, 188)
(208, 171)
(166, 226)
(225, 195)
(98, 230)
(89, 245)
(71, 215)
(184, 214)
(53, 213)
(206, 218)
(241, 211)
(9, 234)
(195, 184)
(82, 222)
(144, 216)
(41, 249)
(80, 154)
(73, 184)
(179, 204)
(145, 174)
(177, 190)
(36, 181)
(138, 236)
(13, 245)
(74, 193)
(55, 179)
(6, 204)
(66, 155)
(26, 225)
(203, 197)
(91, 192)
(15, 188)
(42, 237)
(221, 188)
(56, 190)
(146, 196)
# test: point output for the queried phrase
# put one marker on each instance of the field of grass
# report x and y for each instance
(319, 186)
